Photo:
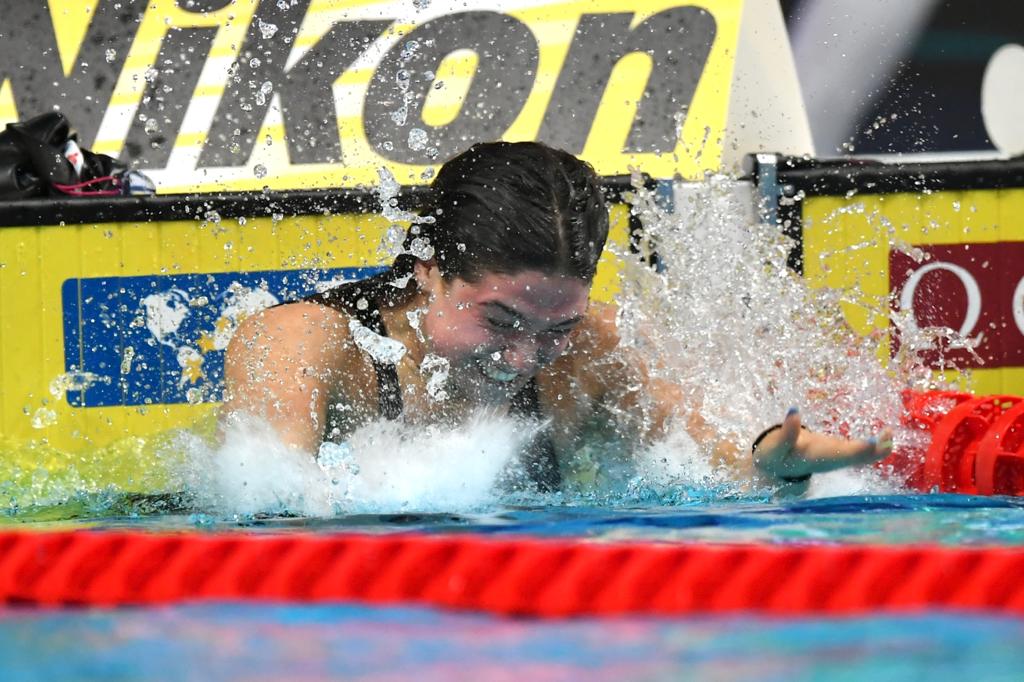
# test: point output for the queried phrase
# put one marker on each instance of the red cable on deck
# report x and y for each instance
(505, 576)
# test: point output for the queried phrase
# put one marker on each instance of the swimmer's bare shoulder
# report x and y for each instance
(288, 364)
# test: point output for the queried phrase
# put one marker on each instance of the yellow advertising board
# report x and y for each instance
(210, 95)
(943, 244)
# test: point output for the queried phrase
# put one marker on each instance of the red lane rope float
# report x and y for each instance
(999, 467)
(532, 577)
(976, 444)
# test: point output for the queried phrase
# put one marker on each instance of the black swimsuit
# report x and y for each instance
(363, 300)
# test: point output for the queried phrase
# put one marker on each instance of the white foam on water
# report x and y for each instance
(860, 481)
(384, 467)
(433, 468)
(253, 472)
(677, 461)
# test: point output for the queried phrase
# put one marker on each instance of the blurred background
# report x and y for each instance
(882, 77)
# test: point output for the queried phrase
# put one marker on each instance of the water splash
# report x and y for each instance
(382, 467)
(744, 336)
(724, 318)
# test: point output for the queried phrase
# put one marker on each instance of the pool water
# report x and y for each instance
(298, 642)
(246, 642)
(877, 519)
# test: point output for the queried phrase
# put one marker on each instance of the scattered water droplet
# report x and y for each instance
(259, 170)
(265, 90)
(381, 348)
(421, 248)
(436, 369)
(43, 417)
(267, 30)
(126, 360)
(74, 381)
(417, 139)
(392, 241)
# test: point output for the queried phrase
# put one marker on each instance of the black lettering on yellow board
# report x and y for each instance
(307, 100)
(507, 55)
(678, 41)
(179, 64)
(30, 59)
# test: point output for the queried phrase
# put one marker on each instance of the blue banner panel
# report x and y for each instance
(160, 339)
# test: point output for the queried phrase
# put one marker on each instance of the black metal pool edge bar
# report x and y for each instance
(783, 182)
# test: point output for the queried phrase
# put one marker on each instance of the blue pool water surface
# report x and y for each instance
(878, 519)
(253, 642)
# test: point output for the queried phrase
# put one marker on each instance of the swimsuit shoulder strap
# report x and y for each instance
(361, 300)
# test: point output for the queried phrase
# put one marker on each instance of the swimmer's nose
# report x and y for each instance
(523, 356)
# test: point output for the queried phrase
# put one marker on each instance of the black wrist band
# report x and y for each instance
(763, 434)
(785, 479)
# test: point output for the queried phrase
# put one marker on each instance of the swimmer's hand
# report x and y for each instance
(790, 454)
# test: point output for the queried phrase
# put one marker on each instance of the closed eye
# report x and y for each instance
(502, 324)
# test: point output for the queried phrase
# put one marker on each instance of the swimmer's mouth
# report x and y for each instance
(495, 374)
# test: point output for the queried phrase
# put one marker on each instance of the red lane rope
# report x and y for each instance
(506, 576)
(975, 444)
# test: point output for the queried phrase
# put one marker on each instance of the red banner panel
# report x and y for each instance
(976, 290)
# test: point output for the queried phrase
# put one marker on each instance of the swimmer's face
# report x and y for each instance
(499, 331)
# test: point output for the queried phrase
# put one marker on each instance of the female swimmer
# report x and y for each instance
(497, 296)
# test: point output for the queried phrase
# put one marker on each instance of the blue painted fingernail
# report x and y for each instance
(791, 411)
(873, 440)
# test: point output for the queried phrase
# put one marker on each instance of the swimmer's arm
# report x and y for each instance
(276, 369)
(785, 455)
(619, 376)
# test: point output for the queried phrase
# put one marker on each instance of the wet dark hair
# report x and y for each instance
(512, 206)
